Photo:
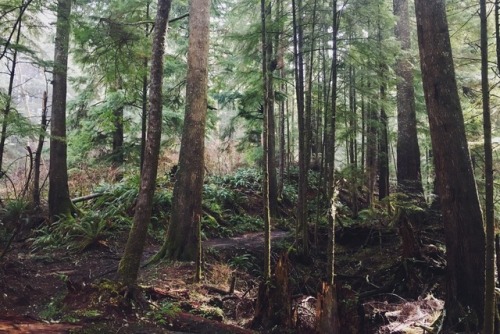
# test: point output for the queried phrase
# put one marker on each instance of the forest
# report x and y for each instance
(244, 166)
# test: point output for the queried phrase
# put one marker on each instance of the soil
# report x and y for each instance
(64, 292)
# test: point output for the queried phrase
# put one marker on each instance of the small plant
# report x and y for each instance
(53, 310)
(243, 262)
(163, 312)
(209, 312)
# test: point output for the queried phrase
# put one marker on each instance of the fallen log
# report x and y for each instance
(86, 197)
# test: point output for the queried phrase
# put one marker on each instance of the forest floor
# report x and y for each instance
(64, 292)
(53, 288)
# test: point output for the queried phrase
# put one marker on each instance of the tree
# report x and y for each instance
(16, 25)
(59, 200)
(462, 216)
(489, 305)
(111, 44)
(129, 265)
(181, 241)
(408, 152)
(267, 137)
(302, 216)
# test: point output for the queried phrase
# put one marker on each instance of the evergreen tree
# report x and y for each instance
(465, 239)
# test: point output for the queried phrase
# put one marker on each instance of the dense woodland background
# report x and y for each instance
(309, 165)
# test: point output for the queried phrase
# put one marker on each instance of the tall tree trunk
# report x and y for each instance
(353, 159)
(383, 141)
(181, 240)
(271, 65)
(266, 191)
(408, 152)
(280, 42)
(489, 305)
(462, 216)
(59, 200)
(128, 269)
(302, 222)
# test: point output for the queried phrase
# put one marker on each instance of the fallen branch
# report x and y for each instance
(86, 198)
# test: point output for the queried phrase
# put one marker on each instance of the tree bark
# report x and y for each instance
(38, 154)
(181, 240)
(117, 150)
(271, 126)
(490, 304)
(408, 152)
(128, 269)
(462, 216)
(302, 223)
(59, 200)
(268, 104)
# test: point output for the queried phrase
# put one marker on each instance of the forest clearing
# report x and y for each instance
(249, 166)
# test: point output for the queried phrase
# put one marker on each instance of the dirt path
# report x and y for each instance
(248, 241)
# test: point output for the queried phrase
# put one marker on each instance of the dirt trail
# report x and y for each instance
(247, 241)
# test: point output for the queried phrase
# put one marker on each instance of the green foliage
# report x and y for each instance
(209, 312)
(108, 213)
(165, 311)
(246, 223)
(244, 178)
(74, 234)
(54, 309)
(13, 210)
(244, 262)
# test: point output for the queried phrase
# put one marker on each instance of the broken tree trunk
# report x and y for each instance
(327, 316)
(274, 301)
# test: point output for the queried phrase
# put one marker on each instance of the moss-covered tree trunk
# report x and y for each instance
(462, 216)
(59, 200)
(128, 269)
(181, 240)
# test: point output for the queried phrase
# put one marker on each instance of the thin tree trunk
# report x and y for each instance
(383, 154)
(117, 149)
(266, 136)
(371, 150)
(144, 115)
(282, 126)
(38, 154)
(271, 65)
(128, 269)
(6, 111)
(489, 304)
(303, 163)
